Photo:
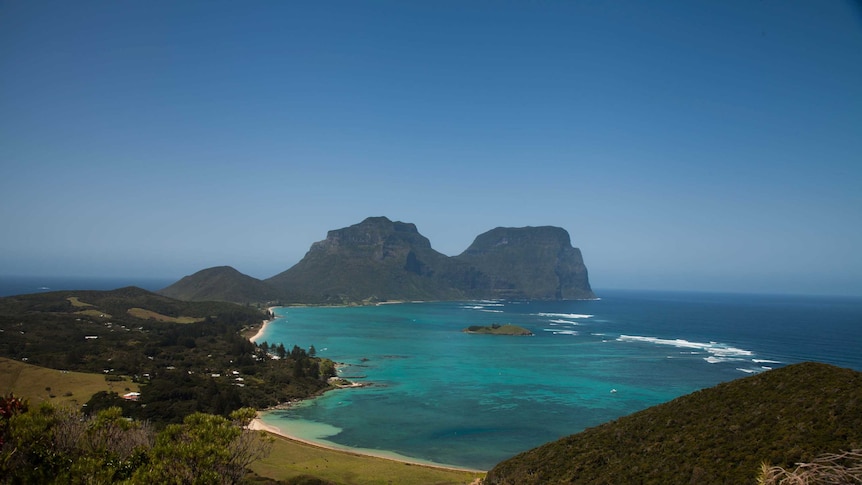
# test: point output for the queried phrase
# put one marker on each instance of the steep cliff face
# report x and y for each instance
(528, 262)
(377, 259)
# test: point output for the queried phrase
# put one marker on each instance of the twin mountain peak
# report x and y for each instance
(381, 260)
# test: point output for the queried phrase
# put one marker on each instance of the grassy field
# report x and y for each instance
(146, 314)
(291, 459)
(77, 303)
(67, 388)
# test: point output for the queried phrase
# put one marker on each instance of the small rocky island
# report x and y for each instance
(497, 329)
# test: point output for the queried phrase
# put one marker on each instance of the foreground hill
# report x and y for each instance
(379, 259)
(717, 435)
(222, 283)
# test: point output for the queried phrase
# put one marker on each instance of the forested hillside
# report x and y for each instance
(718, 435)
(187, 356)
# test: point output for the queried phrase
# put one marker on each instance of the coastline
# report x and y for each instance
(257, 424)
(263, 326)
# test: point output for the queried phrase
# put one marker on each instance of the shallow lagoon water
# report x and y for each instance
(444, 396)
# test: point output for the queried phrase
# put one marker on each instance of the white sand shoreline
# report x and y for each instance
(263, 326)
(259, 425)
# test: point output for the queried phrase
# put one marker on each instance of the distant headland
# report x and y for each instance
(381, 260)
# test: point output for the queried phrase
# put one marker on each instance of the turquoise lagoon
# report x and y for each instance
(436, 394)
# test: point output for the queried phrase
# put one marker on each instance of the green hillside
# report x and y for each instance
(222, 283)
(186, 356)
(719, 435)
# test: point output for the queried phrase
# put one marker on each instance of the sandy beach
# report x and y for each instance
(259, 425)
(262, 328)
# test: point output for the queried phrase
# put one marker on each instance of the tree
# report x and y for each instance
(298, 353)
(58, 445)
(204, 449)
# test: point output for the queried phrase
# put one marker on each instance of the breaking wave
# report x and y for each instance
(718, 352)
(564, 315)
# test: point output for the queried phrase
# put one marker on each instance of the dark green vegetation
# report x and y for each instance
(381, 260)
(46, 444)
(718, 435)
(497, 329)
(182, 368)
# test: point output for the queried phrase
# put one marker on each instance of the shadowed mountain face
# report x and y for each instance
(374, 260)
(528, 262)
(379, 259)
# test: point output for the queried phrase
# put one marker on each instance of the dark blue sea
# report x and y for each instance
(20, 285)
(440, 395)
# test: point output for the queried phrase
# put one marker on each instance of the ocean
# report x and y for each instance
(439, 395)
(20, 285)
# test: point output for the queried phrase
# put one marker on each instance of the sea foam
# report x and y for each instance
(564, 321)
(564, 315)
(718, 352)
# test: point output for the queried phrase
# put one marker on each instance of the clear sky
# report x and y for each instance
(684, 145)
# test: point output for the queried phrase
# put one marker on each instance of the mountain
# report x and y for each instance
(377, 259)
(222, 283)
(528, 262)
(718, 435)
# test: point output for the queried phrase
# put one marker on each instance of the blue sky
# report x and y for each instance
(683, 145)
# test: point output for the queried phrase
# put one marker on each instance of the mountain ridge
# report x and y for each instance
(383, 260)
